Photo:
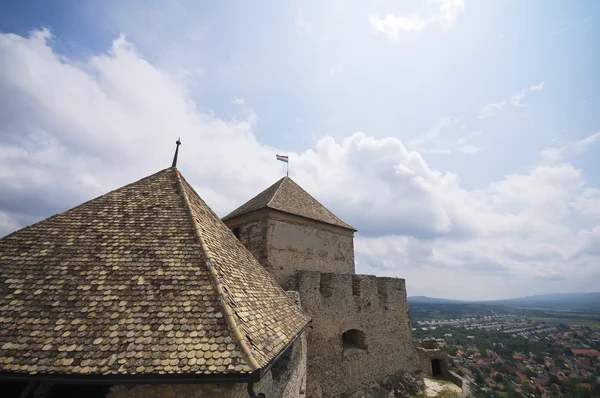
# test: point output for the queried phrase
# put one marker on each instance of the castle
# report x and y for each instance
(145, 292)
(361, 330)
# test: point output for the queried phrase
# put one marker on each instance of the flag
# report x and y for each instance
(283, 158)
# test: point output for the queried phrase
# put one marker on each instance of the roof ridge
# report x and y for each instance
(81, 204)
(237, 334)
(277, 190)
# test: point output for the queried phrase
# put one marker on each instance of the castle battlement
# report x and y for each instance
(362, 290)
(360, 330)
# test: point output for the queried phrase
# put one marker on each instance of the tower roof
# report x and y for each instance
(144, 280)
(287, 196)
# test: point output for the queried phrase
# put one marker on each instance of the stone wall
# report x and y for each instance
(252, 233)
(284, 243)
(429, 350)
(296, 243)
(425, 358)
(462, 383)
(178, 391)
(287, 378)
(374, 306)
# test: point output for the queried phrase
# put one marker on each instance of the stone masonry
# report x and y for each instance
(284, 243)
(431, 350)
(361, 330)
(373, 308)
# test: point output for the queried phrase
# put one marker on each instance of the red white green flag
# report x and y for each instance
(283, 158)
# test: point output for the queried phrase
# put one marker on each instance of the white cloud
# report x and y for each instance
(445, 137)
(433, 134)
(470, 149)
(7, 224)
(302, 26)
(490, 110)
(557, 153)
(392, 25)
(551, 155)
(588, 204)
(70, 131)
(449, 10)
(583, 144)
(238, 101)
(537, 87)
(516, 99)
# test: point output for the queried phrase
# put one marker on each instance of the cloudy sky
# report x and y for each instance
(461, 138)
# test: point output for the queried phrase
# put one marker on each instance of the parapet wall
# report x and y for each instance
(354, 292)
(376, 308)
(463, 383)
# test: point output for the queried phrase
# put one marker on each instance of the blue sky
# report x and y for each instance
(440, 129)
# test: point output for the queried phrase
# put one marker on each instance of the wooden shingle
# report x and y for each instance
(287, 196)
(143, 280)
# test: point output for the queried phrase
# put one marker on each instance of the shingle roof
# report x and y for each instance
(287, 196)
(143, 280)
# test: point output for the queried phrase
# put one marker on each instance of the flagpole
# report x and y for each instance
(287, 168)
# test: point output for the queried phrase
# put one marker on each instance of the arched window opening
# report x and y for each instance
(354, 342)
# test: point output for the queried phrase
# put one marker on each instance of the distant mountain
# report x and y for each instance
(431, 300)
(552, 300)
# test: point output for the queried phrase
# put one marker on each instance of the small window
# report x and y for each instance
(354, 342)
(236, 232)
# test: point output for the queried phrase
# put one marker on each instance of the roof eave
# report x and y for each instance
(191, 378)
(188, 378)
(229, 217)
(347, 226)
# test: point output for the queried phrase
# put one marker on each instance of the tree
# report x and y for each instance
(513, 394)
(577, 392)
(568, 352)
(527, 388)
(539, 359)
(478, 379)
(498, 378)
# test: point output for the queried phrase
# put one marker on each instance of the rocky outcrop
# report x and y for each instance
(399, 385)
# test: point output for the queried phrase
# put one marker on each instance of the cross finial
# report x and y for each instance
(178, 142)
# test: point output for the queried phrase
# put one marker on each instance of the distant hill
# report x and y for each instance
(552, 300)
(431, 300)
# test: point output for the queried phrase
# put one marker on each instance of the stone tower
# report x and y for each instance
(288, 230)
(361, 330)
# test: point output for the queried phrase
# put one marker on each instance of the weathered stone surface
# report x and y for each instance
(300, 244)
(374, 306)
(463, 383)
(287, 377)
(316, 257)
(399, 385)
(429, 350)
(178, 391)
(251, 230)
